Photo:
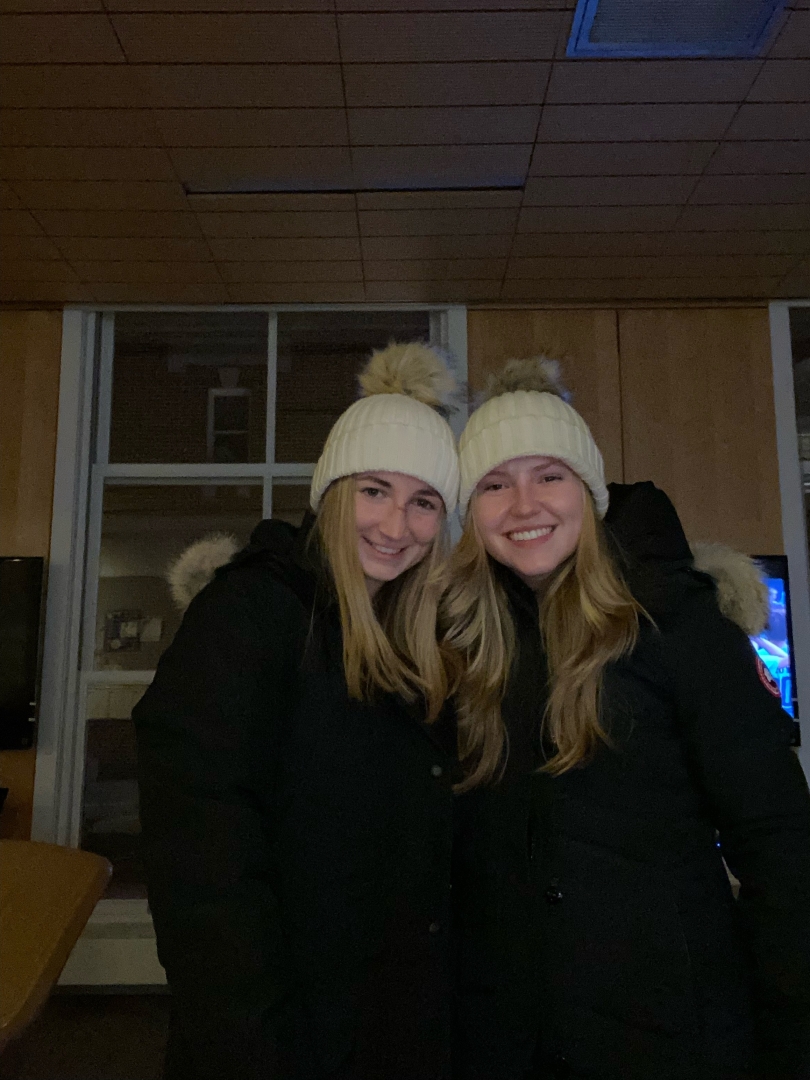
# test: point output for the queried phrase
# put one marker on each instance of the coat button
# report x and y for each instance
(436, 770)
(434, 928)
(553, 893)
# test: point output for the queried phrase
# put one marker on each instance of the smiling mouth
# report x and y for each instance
(389, 551)
(520, 535)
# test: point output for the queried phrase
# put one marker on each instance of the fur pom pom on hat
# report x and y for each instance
(526, 414)
(396, 426)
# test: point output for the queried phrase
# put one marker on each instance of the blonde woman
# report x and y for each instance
(296, 769)
(612, 723)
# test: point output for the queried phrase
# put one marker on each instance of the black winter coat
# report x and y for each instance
(297, 843)
(598, 934)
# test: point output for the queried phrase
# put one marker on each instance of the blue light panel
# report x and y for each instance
(644, 29)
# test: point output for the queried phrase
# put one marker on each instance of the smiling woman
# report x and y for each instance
(296, 769)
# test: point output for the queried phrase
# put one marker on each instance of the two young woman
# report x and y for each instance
(298, 763)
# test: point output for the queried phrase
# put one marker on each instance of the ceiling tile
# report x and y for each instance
(274, 202)
(271, 6)
(633, 123)
(227, 38)
(253, 127)
(453, 5)
(597, 218)
(43, 294)
(169, 292)
(772, 121)
(746, 218)
(726, 190)
(243, 169)
(54, 39)
(292, 272)
(737, 243)
(70, 86)
(323, 292)
(438, 222)
(147, 249)
(507, 83)
(37, 270)
(438, 200)
(607, 190)
(797, 283)
(441, 166)
(424, 127)
(621, 159)
(57, 6)
(654, 266)
(244, 86)
(794, 40)
(628, 81)
(9, 199)
(134, 223)
(421, 37)
(130, 272)
(761, 157)
(435, 269)
(436, 247)
(290, 249)
(278, 224)
(100, 195)
(77, 127)
(427, 292)
(29, 248)
(86, 163)
(590, 244)
(782, 80)
(19, 223)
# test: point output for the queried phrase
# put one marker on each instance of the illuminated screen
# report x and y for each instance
(773, 645)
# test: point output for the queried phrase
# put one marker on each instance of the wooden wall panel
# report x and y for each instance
(698, 415)
(30, 349)
(584, 341)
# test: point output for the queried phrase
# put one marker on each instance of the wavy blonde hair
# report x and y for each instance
(389, 643)
(588, 618)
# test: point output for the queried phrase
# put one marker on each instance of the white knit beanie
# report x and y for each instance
(525, 415)
(395, 427)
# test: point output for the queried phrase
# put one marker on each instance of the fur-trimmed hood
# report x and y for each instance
(741, 592)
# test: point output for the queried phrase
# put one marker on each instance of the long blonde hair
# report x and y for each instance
(588, 618)
(388, 644)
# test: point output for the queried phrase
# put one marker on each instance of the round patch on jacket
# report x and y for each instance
(767, 680)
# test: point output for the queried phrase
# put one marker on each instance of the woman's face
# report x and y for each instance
(529, 514)
(397, 518)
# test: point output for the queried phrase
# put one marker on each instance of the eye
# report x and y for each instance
(426, 504)
(549, 477)
(372, 492)
(494, 485)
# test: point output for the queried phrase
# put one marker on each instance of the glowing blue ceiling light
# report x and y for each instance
(644, 29)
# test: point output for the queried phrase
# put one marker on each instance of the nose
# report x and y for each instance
(393, 524)
(526, 501)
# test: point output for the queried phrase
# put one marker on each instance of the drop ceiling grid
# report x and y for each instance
(680, 191)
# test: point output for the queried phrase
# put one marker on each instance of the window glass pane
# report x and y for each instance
(800, 346)
(319, 356)
(166, 364)
(290, 501)
(144, 529)
(110, 824)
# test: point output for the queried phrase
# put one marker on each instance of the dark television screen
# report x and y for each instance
(774, 646)
(20, 607)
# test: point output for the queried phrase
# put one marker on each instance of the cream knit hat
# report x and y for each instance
(525, 415)
(395, 427)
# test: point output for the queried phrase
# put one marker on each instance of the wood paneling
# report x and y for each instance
(585, 343)
(30, 346)
(698, 415)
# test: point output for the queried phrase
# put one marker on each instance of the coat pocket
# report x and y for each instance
(614, 943)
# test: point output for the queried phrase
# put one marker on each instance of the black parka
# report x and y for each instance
(598, 936)
(297, 843)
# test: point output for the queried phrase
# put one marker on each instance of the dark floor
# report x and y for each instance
(92, 1037)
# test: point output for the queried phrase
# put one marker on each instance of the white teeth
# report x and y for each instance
(531, 534)
(385, 550)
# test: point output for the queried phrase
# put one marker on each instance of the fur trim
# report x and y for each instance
(191, 571)
(414, 369)
(741, 592)
(538, 373)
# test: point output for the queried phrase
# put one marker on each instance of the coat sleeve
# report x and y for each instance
(738, 740)
(205, 732)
